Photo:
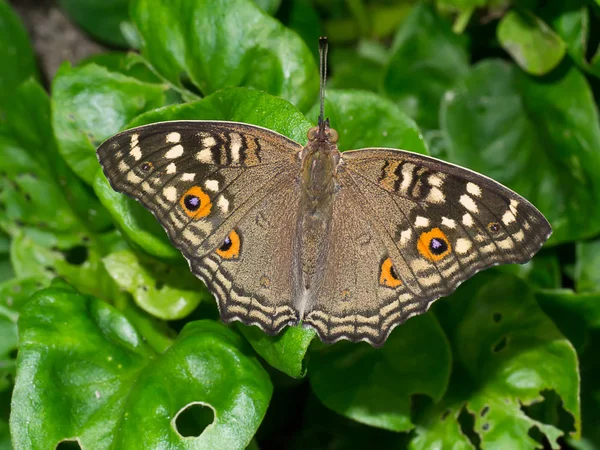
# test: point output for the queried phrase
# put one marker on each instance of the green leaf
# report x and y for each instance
(16, 54)
(542, 272)
(268, 6)
(13, 295)
(238, 105)
(587, 266)
(90, 104)
(130, 64)
(508, 353)
(285, 351)
(225, 43)
(427, 59)
(571, 20)
(531, 42)
(37, 189)
(162, 290)
(575, 314)
(103, 20)
(374, 386)
(85, 373)
(37, 255)
(546, 130)
(364, 119)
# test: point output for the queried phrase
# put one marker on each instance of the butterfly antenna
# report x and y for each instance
(323, 46)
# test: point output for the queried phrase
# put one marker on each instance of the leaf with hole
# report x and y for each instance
(67, 337)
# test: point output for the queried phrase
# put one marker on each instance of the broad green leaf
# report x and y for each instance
(375, 386)
(13, 295)
(301, 17)
(238, 105)
(36, 255)
(85, 373)
(103, 20)
(268, 6)
(531, 42)
(221, 43)
(285, 351)
(136, 223)
(165, 291)
(463, 4)
(548, 131)
(364, 119)
(541, 272)
(361, 67)
(36, 187)
(575, 314)
(571, 20)
(587, 266)
(6, 270)
(427, 59)
(90, 104)
(130, 64)
(508, 353)
(16, 54)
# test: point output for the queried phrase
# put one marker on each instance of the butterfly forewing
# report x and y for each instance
(198, 178)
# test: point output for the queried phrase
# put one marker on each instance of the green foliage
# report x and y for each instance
(106, 339)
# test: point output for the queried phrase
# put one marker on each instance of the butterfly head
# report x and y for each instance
(323, 133)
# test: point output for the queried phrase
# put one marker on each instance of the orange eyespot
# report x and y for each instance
(388, 276)
(434, 245)
(493, 227)
(147, 165)
(231, 246)
(196, 203)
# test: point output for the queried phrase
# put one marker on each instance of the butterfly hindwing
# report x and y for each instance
(197, 177)
(250, 272)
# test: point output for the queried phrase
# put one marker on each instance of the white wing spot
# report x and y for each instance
(175, 152)
(405, 236)
(435, 180)
(208, 141)
(421, 221)
(468, 203)
(473, 189)
(123, 167)
(188, 177)
(136, 152)
(171, 168)
(463, 245)
(467, 220)
(173, 138)
(448, 222)
(513, 206)
(236, 145)
(435, 196)
(506, 244)
(133, 178)
(212, 185)
(519, 236)
(407, 176)
(508, 218)
(170, 193)
(205, 156)
(134, 139)
(223, 203)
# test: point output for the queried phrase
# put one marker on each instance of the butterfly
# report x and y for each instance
(350, 244)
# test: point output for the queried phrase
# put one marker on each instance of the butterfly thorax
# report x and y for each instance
(320, 159)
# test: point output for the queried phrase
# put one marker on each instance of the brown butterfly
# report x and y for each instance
(350, 244)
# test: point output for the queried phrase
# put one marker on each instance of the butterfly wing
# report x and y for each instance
(429, 225)
(197, 177)
(251, 277)
(219, 189)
